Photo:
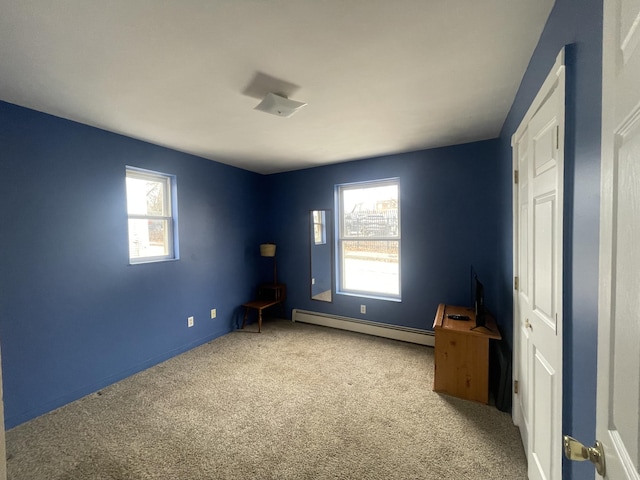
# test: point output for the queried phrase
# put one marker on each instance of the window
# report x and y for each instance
(151, 212)
(369, 238)
(319, 227)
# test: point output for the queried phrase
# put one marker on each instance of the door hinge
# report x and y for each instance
(516, 177)
(516, 283)
(557, 137)
(515, 386)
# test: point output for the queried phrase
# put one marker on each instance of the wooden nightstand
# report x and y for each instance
(461, 357)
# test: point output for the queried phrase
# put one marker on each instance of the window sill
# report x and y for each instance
(156, 260)
(370, 296)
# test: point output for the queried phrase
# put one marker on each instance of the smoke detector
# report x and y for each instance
(279, 105)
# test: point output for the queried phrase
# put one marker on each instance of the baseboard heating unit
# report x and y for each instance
(395, 332)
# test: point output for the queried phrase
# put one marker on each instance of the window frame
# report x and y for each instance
(170, 216)
(341, 237)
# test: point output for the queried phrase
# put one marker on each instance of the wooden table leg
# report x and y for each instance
(259, 320)
(246, 313)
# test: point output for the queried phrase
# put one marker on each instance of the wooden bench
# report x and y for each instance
(269, 295)
(258, 305)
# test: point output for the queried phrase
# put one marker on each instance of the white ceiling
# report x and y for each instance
(379, 76)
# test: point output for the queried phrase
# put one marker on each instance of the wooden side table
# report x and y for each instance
(269, 294)
(461, 355)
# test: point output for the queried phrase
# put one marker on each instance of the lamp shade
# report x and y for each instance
(268, 250)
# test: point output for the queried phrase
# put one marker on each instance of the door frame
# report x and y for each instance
(554, 80)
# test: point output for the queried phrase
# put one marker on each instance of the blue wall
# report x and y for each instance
(578, 24)
(449, 201)
(74, 316)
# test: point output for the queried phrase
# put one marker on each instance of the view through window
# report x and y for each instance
(150, 212)
(369, 238)
(319, 228)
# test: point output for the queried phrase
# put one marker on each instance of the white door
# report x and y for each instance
(618, 397)
(522, 302)
(538, 205)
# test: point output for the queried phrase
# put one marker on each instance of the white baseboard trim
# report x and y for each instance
(394, 332)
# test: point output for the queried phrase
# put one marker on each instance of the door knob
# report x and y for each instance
(527, 324)
(574, 450)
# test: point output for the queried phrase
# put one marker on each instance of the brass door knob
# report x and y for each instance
(574, 450)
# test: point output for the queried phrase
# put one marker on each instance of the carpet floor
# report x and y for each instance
(294, 402)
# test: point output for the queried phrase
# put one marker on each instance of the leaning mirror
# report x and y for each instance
(321, 252)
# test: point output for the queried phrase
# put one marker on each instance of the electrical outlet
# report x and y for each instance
(213, 313)
(363, 309)
(190, 322)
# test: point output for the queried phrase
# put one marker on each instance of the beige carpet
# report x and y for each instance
(295, 402)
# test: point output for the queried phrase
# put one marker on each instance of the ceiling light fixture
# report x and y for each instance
(279, 105)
